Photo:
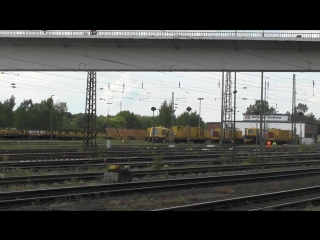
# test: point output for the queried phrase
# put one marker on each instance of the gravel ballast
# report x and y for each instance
(143, 202)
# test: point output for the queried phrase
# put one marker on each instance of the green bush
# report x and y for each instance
(303, 148)
(252, 159)
(311, 148)
(157, 163)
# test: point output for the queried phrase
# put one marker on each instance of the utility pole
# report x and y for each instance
(222, 112)
(200, 110)
(120, 106)
(256, 133)
(228, 107)
(294, 110)
(189, 109)
(300, 136)
(261, 110)
(234, 113)
(109, 108)
(51, 114)
(264, 107)
(153, 109)
(172, 119)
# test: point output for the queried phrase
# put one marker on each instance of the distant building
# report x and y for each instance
(277, 121)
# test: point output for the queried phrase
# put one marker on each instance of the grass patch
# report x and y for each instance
(252, 159)
(306, 148)
(5, 157)
(303, 148)
(157, 163)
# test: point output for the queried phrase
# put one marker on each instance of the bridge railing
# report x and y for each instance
(174, 33)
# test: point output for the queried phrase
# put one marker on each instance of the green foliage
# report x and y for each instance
(7, 113)
(306, 148)
(35, 116)
(182, 120)
(252, 159)
(256, 108)
(164, 118)
(130, 119)
(157, 163)
(303, 148)
(302, 108)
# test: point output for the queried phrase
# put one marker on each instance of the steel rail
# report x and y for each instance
(178, 159)
(32, 179)
(275, 200)
(22, 198)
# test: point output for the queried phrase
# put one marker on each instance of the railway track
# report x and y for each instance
(32, 154)
(136, 161)
(58, 178)
(261, 202)
(23, 198)
(140, 153)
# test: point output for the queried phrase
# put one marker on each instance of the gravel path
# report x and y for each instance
(142, 202)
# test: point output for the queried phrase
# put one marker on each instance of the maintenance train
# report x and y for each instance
(179, 134)
(197, 135)
(161, 134)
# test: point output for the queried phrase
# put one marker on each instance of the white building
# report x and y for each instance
(277, 121)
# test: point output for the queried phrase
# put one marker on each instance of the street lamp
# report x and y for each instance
(189, 109)
(153, 109)
(300, 114)
(200, 109)
(51, 114)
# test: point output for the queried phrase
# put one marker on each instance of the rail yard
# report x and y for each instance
(183, 140)
(49, 177)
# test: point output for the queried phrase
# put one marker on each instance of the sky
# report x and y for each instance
(70, 87)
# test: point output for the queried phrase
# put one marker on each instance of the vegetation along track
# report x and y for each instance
(65, 153)
(261, 202)
(87, 176)
(22, 198)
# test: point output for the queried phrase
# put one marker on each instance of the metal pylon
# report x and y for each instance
(227, 105)
(172, 119)
(294, 111)
(90, 136)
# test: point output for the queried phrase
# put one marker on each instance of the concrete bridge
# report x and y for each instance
(160, 50)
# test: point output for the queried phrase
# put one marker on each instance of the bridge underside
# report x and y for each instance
(48, 53)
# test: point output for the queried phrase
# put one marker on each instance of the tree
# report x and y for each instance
(164, 118)
(256, 108)
(146, 121)
(60, 108)
(311, 118)
(182, 120)
(7, 112)
(302, 108)
(117, 121)
(131, 120)
(23, 115)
